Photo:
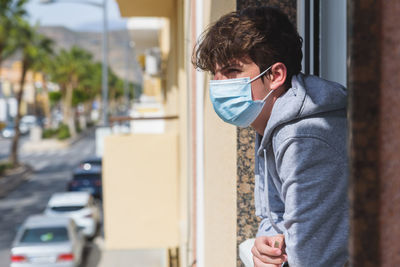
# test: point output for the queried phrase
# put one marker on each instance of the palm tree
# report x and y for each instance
(116, 91)
(32, 46)
(90, 86)
(11, 11)
(70, 68)
(44, 65)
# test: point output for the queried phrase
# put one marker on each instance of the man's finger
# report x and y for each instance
(277, 241)
(258, 263)
(264, 248)
(268, 259)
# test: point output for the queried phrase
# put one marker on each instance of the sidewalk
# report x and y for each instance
(98, 256)
(52, 143)
(11, 179)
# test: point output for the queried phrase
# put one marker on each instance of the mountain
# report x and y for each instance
(121, 57)
(96, 26)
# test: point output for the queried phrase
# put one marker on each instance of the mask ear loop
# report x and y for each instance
(265, 98)
(259, 75)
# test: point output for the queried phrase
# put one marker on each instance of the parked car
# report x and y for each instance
(8, 131)
(47, 241)
(28, 122)
(86, 180)
(25, 125)
(79, 206)
(88, 163)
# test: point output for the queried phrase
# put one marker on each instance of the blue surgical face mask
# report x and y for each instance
(233, 102)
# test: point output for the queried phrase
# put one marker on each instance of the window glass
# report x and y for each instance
(67, 208)
(45, 235)
(86, 176)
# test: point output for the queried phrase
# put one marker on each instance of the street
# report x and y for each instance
(52, 170)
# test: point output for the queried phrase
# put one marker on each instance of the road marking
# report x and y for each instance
(62, 152)
(40, 165)
(41, 153)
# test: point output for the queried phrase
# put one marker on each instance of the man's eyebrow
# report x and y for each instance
(230, 66)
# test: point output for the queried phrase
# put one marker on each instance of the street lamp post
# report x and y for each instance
(104, 81)
(126, 83)
(105, 66)
(128, 46)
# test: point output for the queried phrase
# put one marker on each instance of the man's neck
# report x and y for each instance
(261, 121)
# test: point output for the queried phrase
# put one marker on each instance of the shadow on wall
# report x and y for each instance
(92, 255)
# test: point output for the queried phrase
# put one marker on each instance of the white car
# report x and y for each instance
(79, 206)
(47, 241)
(27, 123)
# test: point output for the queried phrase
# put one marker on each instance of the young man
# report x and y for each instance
(301, 158)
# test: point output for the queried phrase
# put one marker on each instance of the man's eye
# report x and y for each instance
(233, 70)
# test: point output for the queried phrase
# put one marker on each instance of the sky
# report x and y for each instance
(74, 15)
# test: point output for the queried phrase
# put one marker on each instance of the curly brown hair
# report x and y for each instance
(263, 34)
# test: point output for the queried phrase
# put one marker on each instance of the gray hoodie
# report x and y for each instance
(304, 194)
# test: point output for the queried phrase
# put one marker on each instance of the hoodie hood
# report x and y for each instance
(308, 96)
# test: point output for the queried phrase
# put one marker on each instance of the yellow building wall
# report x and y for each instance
(219, 171)
(140, 191)
(184, 151)
(172, 43)
(219, 142)
(149, 8)
(220, 191)
(152, 87)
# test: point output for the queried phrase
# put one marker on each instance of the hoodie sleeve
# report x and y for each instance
(314, 188)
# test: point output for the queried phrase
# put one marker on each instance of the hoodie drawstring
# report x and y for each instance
(277, 229)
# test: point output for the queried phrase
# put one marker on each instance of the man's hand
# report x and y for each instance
(269, 251)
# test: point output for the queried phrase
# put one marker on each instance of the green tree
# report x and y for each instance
(32, 46)
(69, 69)
(11, 12)
(44, 65)
(89, 88)
(116, 92)
(89, 85)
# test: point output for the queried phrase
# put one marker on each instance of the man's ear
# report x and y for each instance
(277, 75)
